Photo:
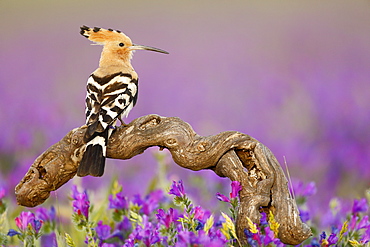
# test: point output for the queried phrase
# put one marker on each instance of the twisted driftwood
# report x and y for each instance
(229, 154)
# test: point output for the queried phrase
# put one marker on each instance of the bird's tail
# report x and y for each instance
(93, 160)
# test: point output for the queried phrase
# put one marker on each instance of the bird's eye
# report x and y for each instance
(121, 44)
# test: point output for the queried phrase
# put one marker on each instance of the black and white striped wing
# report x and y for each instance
(107, 99)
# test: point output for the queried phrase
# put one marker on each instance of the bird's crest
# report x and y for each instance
(101, 35)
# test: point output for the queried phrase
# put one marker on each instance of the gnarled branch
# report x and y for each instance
(229, 154)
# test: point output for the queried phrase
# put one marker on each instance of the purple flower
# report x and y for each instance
(102, 231)
(222, 197)
(364, 223)
(314, 243)
(2, 193)
(177, 189)
(250, 238)
(24, 219)
(322, 236)
(352, 223)
(166, 219)
(263, 220)
(129, 243)
(124, 225)
(332, 239)
(235, 188)
(28, 218)
(45, 214)
(186, 238)
(216, 234)
(198, 213)
(118, 201)
(269, 236)
(310, 189)
(150, 202)
(148, 234)
(305, 215)
(12, 233)
(359, 206)
(366, 236)
(81, 203)
(300, 189)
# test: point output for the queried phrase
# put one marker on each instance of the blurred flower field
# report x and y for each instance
(294, 75)
(169, 218)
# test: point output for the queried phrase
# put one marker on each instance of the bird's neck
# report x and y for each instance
(111, 64)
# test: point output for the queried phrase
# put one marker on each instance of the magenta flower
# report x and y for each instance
(198, 213)
(26, 219)
(2, 204)
(177, 189)
(360, 206)
(222, 197)
(352, 223)
(269, 236)
(81, 203)
(235, 188)
(166, 218)
(2, 193)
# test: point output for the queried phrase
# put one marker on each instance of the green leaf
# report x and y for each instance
(3, 239)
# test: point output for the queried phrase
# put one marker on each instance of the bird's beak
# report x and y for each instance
(149, 48)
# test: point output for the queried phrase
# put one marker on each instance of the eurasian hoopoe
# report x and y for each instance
(111, 94)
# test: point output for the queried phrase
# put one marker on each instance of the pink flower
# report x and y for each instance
(222, 197)
(235, 188)
(2, 193)
(26, 219)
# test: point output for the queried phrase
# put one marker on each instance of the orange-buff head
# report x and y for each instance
(118, 47)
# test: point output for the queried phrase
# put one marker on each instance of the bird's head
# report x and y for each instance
(115, 43)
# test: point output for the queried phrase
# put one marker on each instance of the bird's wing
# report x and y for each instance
(107, 100)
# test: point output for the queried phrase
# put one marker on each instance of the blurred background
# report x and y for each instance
(294, 75)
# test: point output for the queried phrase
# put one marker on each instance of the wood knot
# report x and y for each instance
(150, 123)
(171, 142)
(75, 140)
(201, 147)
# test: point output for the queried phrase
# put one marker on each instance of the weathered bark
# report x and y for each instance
(229, 154)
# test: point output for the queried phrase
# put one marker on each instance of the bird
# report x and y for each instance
(112, 91)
